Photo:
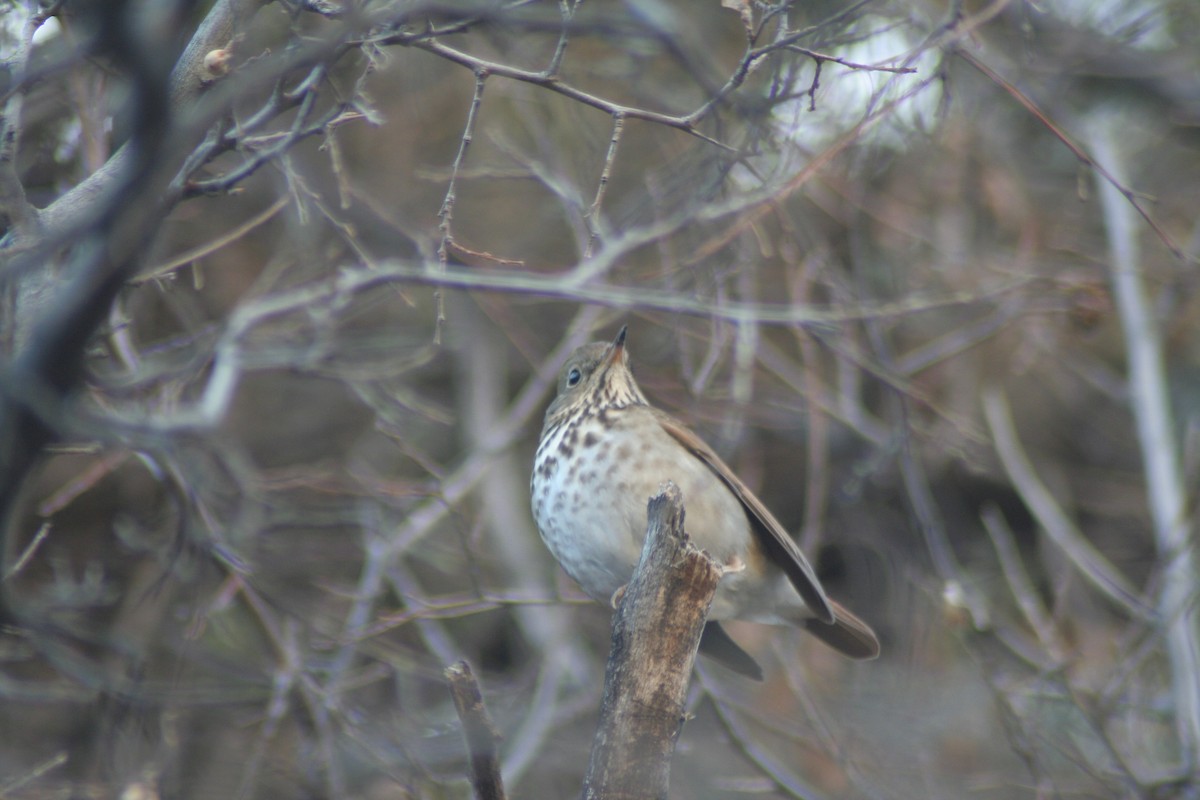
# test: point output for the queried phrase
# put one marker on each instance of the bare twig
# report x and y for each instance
(42, 532)
(1020, 584)
(749, 208)
(233, 357)
(555, 84)
(479, 733)
(283, 683)
(753, 55)
(446, 212)
(14, 784)
(596, 226)
(1058, 526)
(929, 516)
(821, 57)
(567, 9)
(743, 738)
(821, 397)
(183, 259)
(1110, 178)
(268, 149)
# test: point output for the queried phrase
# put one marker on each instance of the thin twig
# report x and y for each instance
(446, 212)
(1020, 584)
(211, 246)
(821, 57)
(380, 550)
(53, 762)
(554, 84)
(596, 227)
(1058, 526)
(42, 532)
(1078, 151)
(567, 10)
(774, 768)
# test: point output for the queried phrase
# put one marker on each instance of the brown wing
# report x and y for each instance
(779, 547)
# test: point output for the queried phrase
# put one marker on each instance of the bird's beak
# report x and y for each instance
(617, 349)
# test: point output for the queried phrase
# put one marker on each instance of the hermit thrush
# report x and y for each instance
(603, 453)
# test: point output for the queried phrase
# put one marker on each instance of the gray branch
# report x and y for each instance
(1159, 443)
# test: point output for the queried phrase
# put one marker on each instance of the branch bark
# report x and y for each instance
(656, 632)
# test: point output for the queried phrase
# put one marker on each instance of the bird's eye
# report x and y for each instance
(574, 376)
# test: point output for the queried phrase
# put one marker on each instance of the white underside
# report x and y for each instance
(606, 505)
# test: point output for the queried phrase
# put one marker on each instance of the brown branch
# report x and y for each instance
(160, 271)
(596, 226)
(822, 57)
(479, 733)
(687, 123)
(655, 635)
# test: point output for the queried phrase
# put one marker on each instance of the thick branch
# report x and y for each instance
(655, 635)
(22, 216)
(188, 79)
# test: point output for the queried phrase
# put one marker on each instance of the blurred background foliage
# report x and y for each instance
(860, 246)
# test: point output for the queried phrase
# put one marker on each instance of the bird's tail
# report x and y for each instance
(847, 634)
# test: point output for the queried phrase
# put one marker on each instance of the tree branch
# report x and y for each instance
(655, 635)
(478, 732)
(1158, 437)
(188, 79)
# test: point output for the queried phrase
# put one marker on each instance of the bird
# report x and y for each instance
(603, 452)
